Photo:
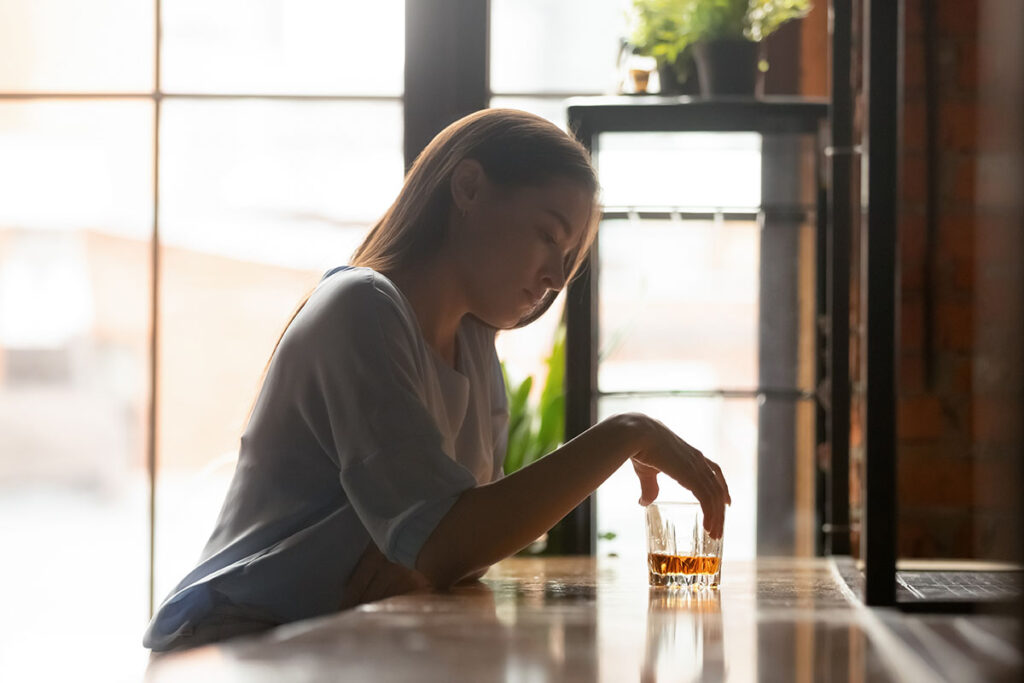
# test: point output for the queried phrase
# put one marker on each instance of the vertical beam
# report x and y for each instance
(154, 316)
(884, 26)
(782, 182)
(840, 159)
(582, 332)
(576, 533)
(821, 342)
(446, 66)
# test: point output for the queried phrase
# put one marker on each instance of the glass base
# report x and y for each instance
(679, 580)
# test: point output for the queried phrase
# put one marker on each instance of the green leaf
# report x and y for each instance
(554, 384)
(536, 429)
(666, 28)
(551, 431)
(518, 444)
(519, 421)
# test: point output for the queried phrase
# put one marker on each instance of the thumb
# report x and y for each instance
(648, 477)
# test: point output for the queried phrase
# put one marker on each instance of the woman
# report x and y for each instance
(372, 461)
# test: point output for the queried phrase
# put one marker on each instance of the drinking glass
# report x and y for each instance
(679, 550)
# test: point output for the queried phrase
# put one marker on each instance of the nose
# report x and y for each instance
(554, 274)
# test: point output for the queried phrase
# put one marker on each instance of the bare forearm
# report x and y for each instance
(491, 522)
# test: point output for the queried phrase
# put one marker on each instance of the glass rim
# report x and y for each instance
(668, 503)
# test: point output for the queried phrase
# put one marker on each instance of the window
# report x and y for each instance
(255, 151)
(660, 276)
(541, 52)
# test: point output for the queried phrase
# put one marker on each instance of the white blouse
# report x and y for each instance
(360, 433)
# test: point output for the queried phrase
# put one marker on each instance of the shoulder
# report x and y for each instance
(353, 302)
(356, 290)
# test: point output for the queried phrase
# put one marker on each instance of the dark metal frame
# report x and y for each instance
(883, 56)
(840, 156)
(588, 118)
(446, 66)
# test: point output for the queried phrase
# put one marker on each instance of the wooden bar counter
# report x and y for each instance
(595, 619)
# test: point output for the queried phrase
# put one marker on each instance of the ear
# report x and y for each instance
(468, 179)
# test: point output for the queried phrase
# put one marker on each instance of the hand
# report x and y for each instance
(376, 578)
(658, 449)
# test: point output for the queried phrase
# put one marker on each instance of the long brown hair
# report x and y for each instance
(515, 149)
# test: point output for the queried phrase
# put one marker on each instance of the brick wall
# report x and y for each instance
(998, 350)
(951, 478)
(936, 464)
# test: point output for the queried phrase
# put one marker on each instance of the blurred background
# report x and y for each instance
(231, 152)
(246, 153)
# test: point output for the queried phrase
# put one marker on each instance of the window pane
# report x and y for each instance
(555, 45)
(286, 183)
(259, 198)
(75, 46)
(686, 170)
(725, 430)
(284, 46)
(75, 221)
(68, 165)
(679, 305)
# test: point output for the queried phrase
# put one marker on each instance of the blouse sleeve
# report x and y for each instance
(362, 397)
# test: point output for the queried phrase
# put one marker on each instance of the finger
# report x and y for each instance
(701, 483)
(693, 474)
(720, 477)
(718, 495)
(710, 508)
(712, 502)
(713, 516)
(648, 477)
(704, 474)
(716, 499)
(709, 493)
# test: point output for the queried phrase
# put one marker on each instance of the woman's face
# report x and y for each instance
(513, 244)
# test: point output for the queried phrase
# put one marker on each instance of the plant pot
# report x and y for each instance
(668, 76)
(728, 67)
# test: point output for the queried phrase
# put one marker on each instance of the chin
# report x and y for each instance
(497, 321)
(518, 320)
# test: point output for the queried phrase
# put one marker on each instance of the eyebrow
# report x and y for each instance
(561, 221)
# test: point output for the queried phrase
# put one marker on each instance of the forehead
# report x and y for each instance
(567, 202)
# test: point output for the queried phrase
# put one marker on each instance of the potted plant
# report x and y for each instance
(656, 32)
(723, 35)
(536, 428)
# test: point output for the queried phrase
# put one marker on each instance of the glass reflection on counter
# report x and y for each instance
(684, 636)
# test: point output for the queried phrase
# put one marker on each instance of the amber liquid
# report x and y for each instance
(682, 564)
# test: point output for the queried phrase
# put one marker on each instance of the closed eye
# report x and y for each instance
(547, 236)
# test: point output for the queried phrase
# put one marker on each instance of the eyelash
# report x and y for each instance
(548, 238)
